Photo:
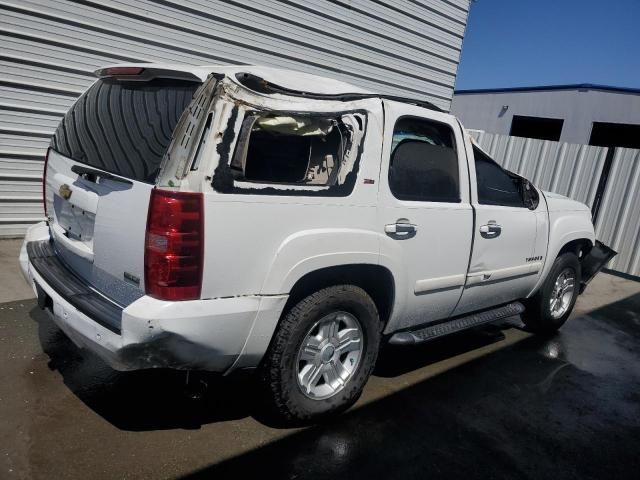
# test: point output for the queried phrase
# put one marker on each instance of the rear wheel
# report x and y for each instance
(551, 306)
(322, 354)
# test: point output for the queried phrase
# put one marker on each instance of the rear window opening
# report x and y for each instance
(296, 150)
(124, 127)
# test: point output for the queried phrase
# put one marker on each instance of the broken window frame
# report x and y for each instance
(188, 137)
(224, 180)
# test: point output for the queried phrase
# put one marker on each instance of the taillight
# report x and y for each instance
(44, 182)
(174, 245)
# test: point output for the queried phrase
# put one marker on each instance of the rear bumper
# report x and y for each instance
(216, 335)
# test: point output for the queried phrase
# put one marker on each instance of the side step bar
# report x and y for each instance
(456, 325)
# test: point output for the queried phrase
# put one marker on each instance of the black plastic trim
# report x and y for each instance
(594, 261)
(74, 290)
(455, 325)
(94, 172)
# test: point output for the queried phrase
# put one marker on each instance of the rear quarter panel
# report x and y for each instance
(262, 244)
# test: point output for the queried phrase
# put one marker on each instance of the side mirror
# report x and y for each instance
(529, 195)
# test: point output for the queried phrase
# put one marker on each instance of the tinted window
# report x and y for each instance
(124, 127)
(495, 185)
(424, 164)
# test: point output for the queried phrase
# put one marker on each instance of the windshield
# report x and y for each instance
(124, 127)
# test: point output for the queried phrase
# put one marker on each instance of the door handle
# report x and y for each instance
(490, 230)
(401, 227)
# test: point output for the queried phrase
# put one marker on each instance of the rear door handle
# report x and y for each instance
(491, 230)
(401, 227)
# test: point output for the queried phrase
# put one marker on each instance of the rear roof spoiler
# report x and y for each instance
(140, 73)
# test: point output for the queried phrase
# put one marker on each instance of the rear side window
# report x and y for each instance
(282, 153)
(495, 185)
(424, 163)
(290, 149)
(124, 127)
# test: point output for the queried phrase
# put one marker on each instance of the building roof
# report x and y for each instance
(574, 86)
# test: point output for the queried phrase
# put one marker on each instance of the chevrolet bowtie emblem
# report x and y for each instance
(64, 191)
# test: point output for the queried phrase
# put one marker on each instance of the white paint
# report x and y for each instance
(441, 245)
(502, 273)
(423, 286)
(119, 217)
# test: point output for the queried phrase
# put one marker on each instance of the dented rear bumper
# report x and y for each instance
(594, 261)
(216, 335)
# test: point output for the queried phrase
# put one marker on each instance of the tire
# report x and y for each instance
(540, 315)
(286, 366)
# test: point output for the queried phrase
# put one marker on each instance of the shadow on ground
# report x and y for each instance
(140, 400)
(565, 407)
(158, 399)
(562, 407)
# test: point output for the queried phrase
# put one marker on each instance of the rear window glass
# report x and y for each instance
(124, 127)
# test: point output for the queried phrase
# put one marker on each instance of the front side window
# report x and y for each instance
(294, 154)
(496, 186)
(424, 163)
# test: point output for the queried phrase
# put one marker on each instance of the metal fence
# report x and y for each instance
(607, 179)
(618, 222)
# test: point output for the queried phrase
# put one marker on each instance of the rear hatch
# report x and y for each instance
(102, 166)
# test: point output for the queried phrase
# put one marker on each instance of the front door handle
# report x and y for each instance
(402, 227)
(490, 230)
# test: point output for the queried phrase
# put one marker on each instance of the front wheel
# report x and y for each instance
(322, 354)
(551, 306)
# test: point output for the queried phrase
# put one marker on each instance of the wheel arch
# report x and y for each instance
(580, 247)
(376, 280)
(578, 243)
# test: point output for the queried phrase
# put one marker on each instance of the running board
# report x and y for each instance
(456, 325)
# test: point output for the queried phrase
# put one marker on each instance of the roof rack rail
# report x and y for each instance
(260, 85)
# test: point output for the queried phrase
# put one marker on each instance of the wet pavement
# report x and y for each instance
(490, 403)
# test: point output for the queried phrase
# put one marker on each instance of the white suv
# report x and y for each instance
(218, 218)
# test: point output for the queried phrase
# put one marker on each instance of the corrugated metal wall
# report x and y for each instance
(565, 168)
(50, 48)
(618, 223)
(575, 170)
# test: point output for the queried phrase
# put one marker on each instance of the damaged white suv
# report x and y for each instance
(219, 218)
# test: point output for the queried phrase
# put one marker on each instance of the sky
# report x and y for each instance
(515, 43)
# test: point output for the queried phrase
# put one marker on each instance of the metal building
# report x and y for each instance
(584, 114)
(50, 49)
